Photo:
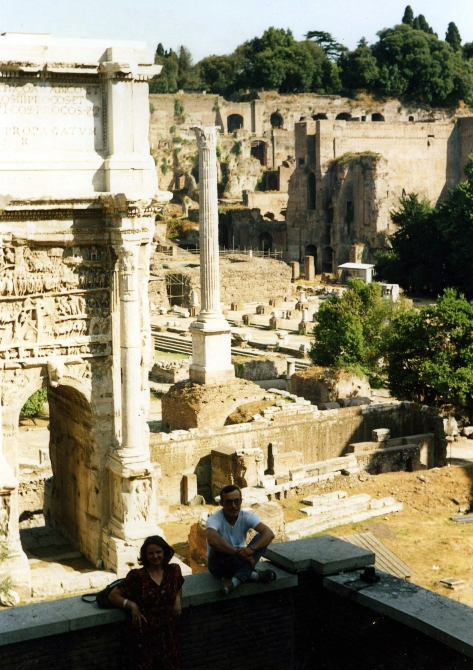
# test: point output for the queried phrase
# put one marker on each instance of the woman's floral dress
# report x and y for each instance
(155, 646)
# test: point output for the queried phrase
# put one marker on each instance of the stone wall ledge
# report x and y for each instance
(30, 622)
(441, 618)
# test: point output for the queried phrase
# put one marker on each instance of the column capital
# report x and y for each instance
(206, 136)
(119, 208)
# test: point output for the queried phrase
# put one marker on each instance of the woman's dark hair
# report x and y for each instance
(160, 542)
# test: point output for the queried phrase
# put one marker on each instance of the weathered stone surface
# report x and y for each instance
(326, 555)
(188, 405)
(324, 385)
(262, 367)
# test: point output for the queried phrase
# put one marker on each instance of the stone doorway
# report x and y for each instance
(64, 454)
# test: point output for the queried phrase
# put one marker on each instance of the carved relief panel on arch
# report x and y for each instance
(53, 295)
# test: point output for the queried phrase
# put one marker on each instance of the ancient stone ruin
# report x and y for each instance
(79, 196)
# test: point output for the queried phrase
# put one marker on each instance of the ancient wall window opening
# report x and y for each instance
(223, 236)
(363, 118)
(328, 235)
(329, 212)
(265, 242)
(258, 151)
(411, 119)
(327, 259)
(311, 191)
(234, 122)
(272, 181)
(377, 117)
(343, 116)
(349, 215)
(319, 117)
(300, 162)
(276, 120)
(176, 289)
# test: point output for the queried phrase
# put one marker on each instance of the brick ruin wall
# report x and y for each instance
(318, 435)
(242, 279)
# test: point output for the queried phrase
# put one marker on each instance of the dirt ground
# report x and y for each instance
(422, 534)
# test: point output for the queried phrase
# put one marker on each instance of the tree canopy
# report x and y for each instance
(428, 353)
(348, 329)
(407, 61)
(432, 249)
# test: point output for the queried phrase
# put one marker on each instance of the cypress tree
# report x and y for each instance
(452, 37)
(408, 17)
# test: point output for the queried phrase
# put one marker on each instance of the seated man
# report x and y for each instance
(229, 557)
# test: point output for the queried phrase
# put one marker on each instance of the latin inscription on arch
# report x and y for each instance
(53, 117)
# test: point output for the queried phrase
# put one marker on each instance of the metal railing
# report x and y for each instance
(258, 253)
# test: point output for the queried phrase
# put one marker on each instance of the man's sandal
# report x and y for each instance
(227, 586)
(266, 576)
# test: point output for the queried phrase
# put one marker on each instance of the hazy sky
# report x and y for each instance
(218, 26)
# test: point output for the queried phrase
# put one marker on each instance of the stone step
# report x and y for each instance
(303, 527)
(324, 498)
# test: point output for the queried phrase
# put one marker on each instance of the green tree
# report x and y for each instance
(277, 61)
(417, 65)
(331, 48)
(348, 330)
(453, 218)
(35, 403)
(218, 74)
(429, 353)
(160, 50)
(359, 67)
(452, 37)
(420, 23)
(187, 74)
(416, 258)
(408, 17)
(338, 337)
(166, 81)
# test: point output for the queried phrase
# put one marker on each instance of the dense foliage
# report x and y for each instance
(348, 329)
(35, 403)
(432, 248)
(428, 353)
(408, 61)
(424, 355)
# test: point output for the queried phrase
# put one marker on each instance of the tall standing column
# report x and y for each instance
(211, 339)
(130, 348)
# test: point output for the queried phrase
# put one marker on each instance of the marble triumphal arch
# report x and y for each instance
(78, 201)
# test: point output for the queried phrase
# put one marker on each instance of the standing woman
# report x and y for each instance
(153, 596)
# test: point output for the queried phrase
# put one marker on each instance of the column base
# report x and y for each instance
(200, 375)
(211, 353)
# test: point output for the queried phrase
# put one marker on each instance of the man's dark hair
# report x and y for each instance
(229, 489)
(160, 542)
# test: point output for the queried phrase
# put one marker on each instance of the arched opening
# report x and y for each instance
(411, 119)
(234, 122)
(343, 116)
(73, 501)
(311, 250)
(311, 191)
(276, 120)
(60, 506)
(319, 117)
(258, 151)
(377, 117)
(327, 260)
(265, 242)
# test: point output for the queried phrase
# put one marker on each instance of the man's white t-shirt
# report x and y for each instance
(234, 535)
